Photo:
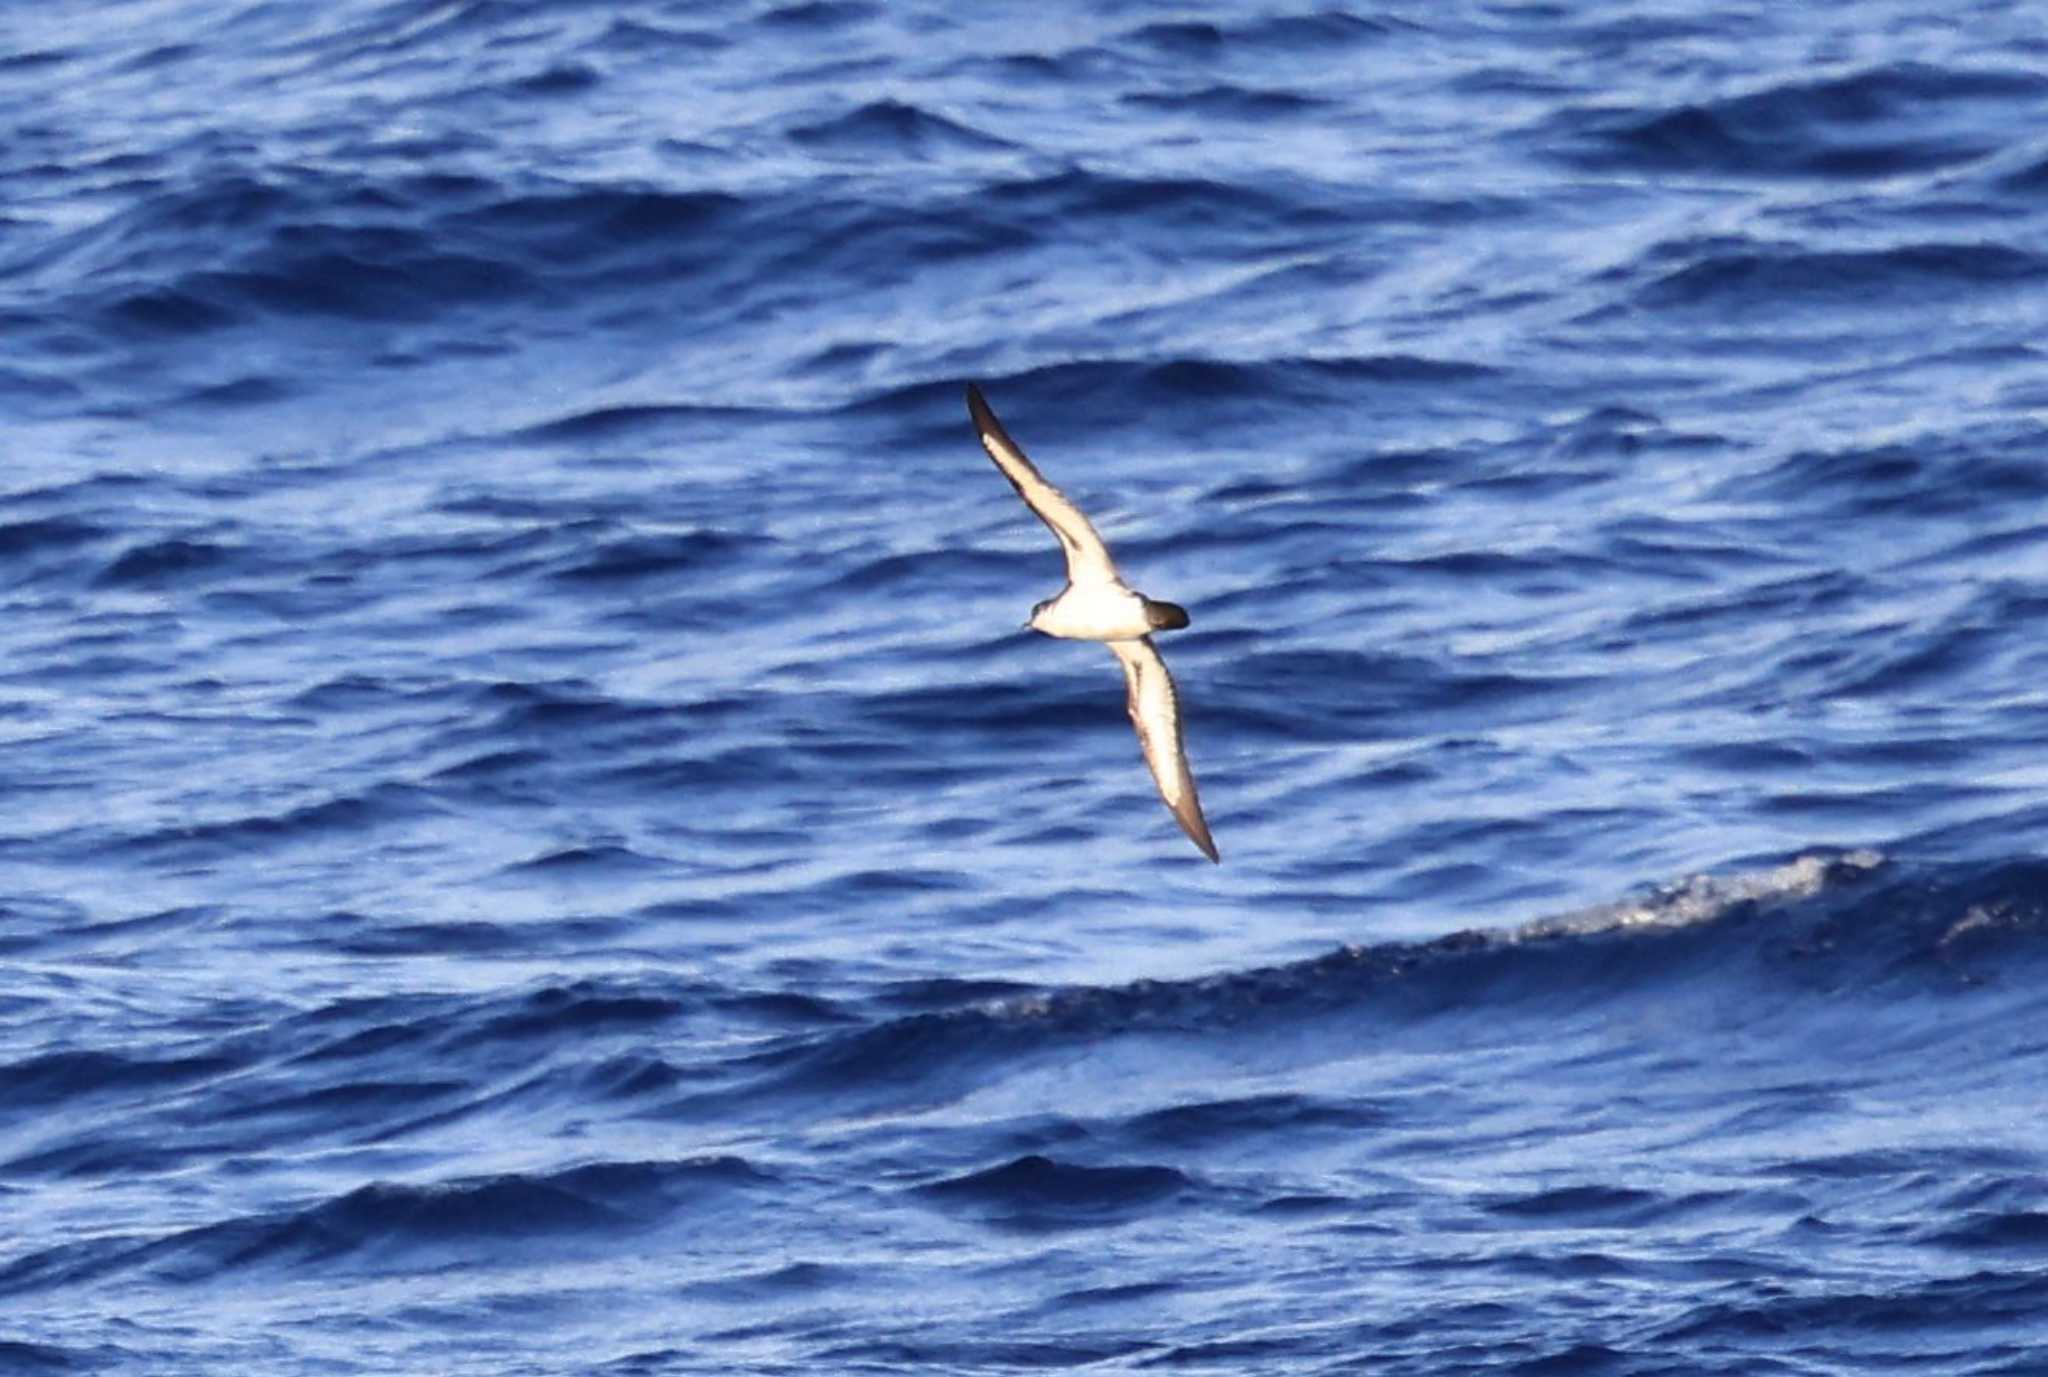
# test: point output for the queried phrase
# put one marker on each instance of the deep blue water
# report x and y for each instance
(533, 843)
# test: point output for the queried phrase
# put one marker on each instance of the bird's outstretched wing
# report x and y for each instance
(1155, 712)
(1088, 558)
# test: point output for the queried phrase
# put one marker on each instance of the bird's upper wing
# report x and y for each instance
(1155, 712)
(1088, 558)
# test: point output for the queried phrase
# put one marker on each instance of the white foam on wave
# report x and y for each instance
(1704, 898)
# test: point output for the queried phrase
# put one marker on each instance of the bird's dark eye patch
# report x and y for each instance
(1165, 616)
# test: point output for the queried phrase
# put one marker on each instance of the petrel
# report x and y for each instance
(1096, 605)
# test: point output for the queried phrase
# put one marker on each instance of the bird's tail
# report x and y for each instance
(1165, 616)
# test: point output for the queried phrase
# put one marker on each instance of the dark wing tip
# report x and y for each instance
(991, 429)
(984, 417)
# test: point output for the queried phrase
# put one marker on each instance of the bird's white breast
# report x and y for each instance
(1094, 612)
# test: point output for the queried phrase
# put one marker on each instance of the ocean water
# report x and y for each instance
(534, 842)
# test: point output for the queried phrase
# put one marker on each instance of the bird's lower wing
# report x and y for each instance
(1088, 558)
(1155, 712)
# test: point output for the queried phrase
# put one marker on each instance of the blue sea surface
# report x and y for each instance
(533, 841)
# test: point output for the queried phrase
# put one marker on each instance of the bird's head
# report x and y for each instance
(1037, 613)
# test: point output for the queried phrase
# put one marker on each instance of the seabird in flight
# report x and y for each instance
(1097, 606)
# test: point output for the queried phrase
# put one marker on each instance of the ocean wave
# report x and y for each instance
(384, 1224)
(648, 421)
(1038, 1193)
(639, 557)
(893, 126)
(587, 860)
(1235, 1120)
(1226, 101)
(160, 562)
(1934, 1306)
(235, 244)
(1850, 278)
(1896, 479)
(1317, 32)
(56, 1078)
(1879, 122)
(1847, 923)
(32, 1358)
(1098, 394)
(350, 814)
(26, 538)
